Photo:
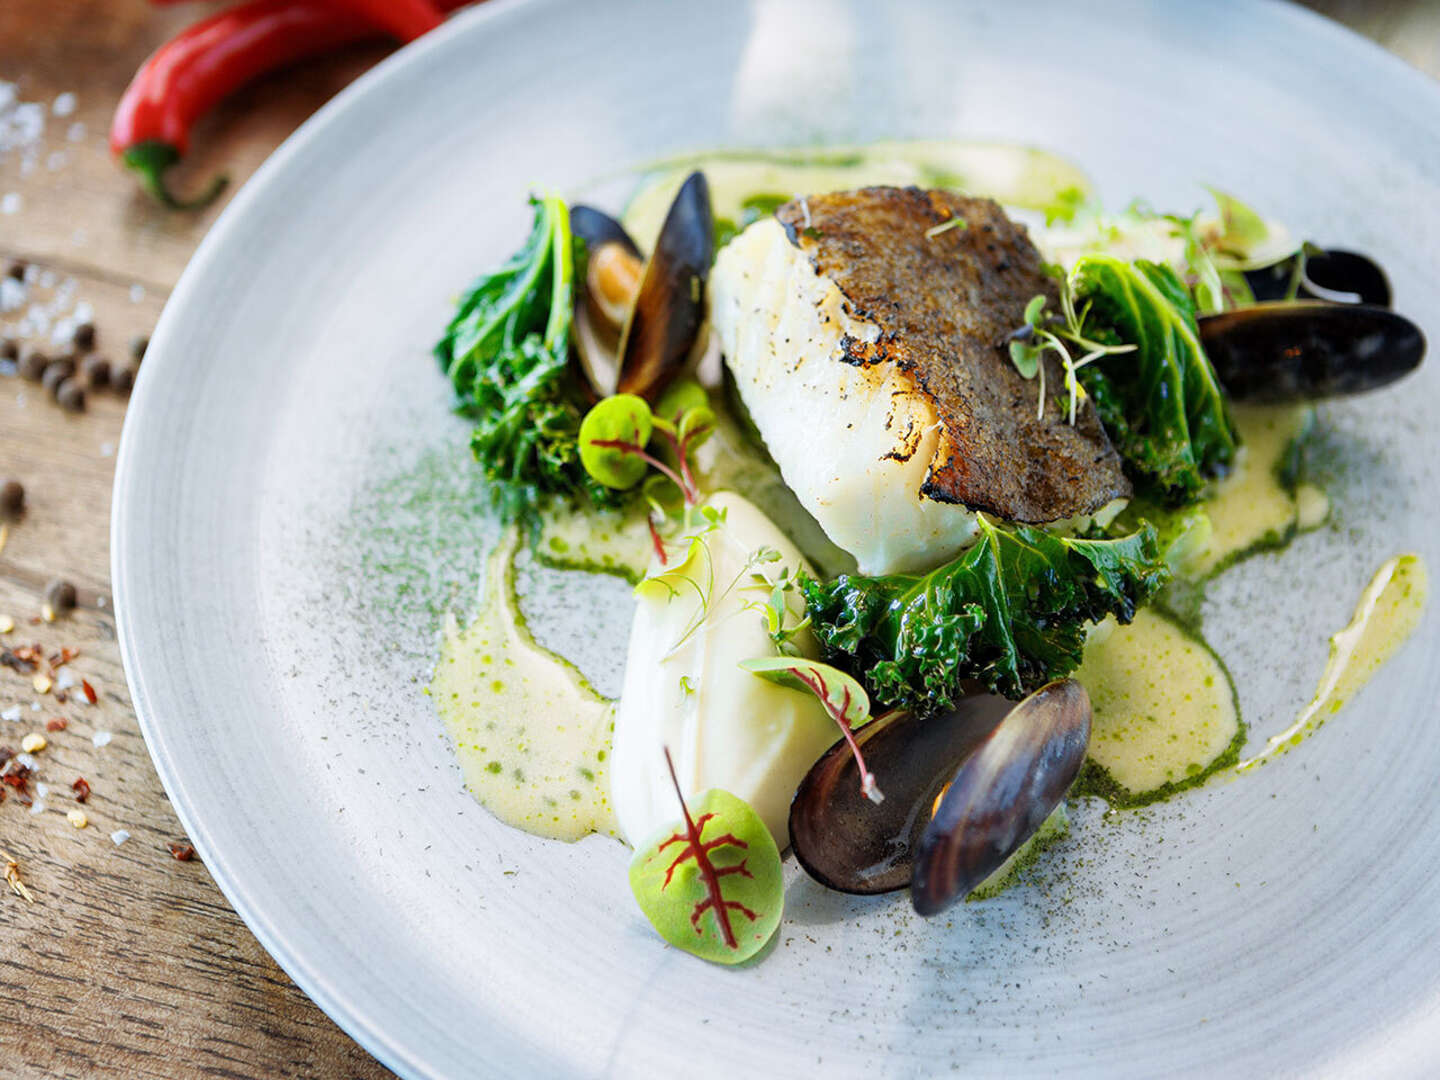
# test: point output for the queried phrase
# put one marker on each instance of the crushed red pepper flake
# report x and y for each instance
(81, 787)
(182, 852)
(15, 775)
(56, 723)
(90, 694)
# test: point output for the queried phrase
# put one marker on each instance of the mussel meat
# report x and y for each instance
(613, 267)
(1307, 350)
(1001, 794)
(964, 789)
(636, 323)
(1338, 277)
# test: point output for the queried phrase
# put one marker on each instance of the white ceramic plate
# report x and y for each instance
(293, 508)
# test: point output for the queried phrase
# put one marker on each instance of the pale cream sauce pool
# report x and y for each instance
(1253, 506)
(1388, 613)
(1164, 710)
(532, 737)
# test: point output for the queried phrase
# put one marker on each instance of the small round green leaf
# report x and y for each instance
(1026, 358)
(613, 436)
(722, 898)
(1034, 309)
(680, 397)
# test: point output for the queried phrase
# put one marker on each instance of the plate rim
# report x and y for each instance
(310, 978)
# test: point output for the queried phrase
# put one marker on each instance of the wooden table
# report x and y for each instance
(130, 962)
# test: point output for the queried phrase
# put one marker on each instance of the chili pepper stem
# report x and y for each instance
(150, 160)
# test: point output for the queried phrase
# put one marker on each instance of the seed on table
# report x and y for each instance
(32, 363)
(9, 349)
(77, 818)
(12, 498)
(71, 395)
(33, 743)
(96, 370)
(60, 595)
(138, 344)
(7, 623)
(56, 372)
(84, 336)
(17, 270)
(122, 380)
(42, 683)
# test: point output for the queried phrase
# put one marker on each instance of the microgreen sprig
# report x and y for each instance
(1042, 333)
(956, 222)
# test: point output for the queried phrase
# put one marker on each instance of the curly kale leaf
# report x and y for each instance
(1162, 405)
(506, 352)
(1011, 612)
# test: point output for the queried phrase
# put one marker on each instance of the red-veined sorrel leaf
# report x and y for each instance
(711, 883)
(844, 699)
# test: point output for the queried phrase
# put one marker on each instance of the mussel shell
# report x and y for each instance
(1001, 794)
(598, 228)
(670, 305)
(595, 340)
(1306, 350)
(848, 843)
(1331, 275)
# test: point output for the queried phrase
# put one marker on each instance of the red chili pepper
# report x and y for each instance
(404, 19)
(205, 63)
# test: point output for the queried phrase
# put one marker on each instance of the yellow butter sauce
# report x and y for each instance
(1388, 613)
(532, 736)
(1165, 714)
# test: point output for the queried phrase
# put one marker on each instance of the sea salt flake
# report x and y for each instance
(119, 836)
(101, 738)
(76, 133)
(64, 104)
(38, 806)
(12, 714)
(10, 203)
(12, 294)
(137, 293)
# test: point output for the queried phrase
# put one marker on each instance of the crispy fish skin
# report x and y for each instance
(945, 305)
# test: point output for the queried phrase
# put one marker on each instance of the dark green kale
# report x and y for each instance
(506, 352)
(1011, 612)
(1162, 405)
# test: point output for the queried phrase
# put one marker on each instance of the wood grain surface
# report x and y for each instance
(129, 962)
